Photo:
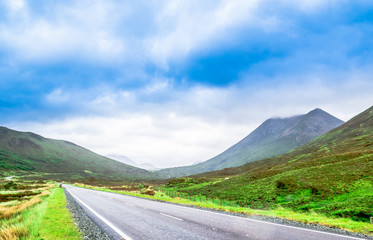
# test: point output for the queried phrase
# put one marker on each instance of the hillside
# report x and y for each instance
(29, 153)
(332, 174)
(273, 137)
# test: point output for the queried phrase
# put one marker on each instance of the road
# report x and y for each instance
(126, 217)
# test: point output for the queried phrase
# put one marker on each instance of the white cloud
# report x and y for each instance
(14, 5)
(158, 85)
(81, 30)
(187, 26)
(310, 6)
(111, 31)
(57, 96)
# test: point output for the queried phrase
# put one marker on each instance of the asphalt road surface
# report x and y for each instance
(126, 217)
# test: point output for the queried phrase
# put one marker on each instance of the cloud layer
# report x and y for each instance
(175, 82)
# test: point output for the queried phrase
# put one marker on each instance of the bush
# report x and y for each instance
(10, 185)
(149, 191)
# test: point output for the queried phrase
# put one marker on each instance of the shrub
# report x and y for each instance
(10, 185)
(149, 191)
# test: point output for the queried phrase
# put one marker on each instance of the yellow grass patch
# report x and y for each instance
(7, 212)
(13, 232)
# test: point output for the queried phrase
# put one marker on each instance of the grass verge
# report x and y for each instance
(308, 218)
(57, 222)
(46, 218)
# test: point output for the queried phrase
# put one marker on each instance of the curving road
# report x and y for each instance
(126, 217)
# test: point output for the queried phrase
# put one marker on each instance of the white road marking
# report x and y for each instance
(130, 204)
(122, 234)
(171, 216)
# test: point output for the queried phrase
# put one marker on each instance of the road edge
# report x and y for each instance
(85, 224)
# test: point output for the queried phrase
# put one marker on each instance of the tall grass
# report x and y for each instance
(21, 224)
(7, 212)
(44, 216)
(13, 232)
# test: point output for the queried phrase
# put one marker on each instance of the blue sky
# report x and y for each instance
(176, 82)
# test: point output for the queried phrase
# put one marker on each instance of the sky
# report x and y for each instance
(173, 82)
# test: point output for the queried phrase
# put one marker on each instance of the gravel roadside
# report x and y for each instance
(89, 229)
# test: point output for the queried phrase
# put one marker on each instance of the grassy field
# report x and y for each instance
(34, 210)
(218, 204)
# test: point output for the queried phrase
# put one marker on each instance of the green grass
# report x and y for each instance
(23, 224)
(57, 222)
(49, 219)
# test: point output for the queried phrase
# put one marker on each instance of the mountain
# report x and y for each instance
(122, 159)
(28, 153)
(273, 137)
(127, 160)
(148, 166)
(332, 174)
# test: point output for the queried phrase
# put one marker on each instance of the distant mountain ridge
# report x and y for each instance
(148, 166)
(273, 137)
(127, 160)
(122, 159)
(26, 152)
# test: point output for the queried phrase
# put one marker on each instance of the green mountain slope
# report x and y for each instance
(25, 153)
(333, 174)
(274, 137)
